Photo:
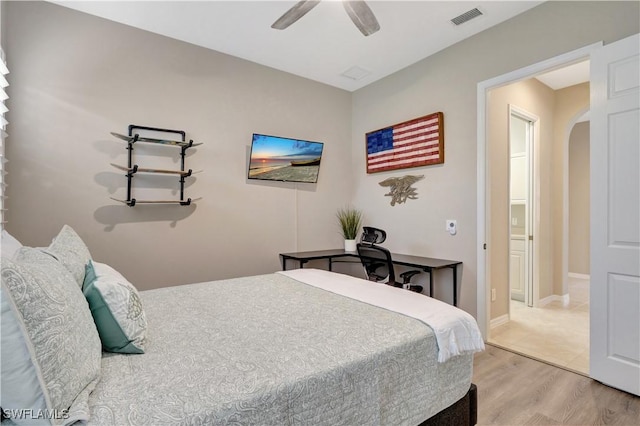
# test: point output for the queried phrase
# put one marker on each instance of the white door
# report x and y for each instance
(615, 215)
(521, 139)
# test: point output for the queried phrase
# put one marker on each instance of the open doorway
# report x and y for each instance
(524, 322)
(614, 106)
(557, 329)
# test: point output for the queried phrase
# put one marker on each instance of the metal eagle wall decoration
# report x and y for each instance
(400, 188)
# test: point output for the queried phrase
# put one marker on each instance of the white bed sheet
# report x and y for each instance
(456, 331)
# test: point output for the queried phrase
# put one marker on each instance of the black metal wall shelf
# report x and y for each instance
(131, 169)
(133, 201)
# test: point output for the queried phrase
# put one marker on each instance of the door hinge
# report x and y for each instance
(484, 246)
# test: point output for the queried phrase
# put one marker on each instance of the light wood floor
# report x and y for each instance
(516, 390)
(554, 333)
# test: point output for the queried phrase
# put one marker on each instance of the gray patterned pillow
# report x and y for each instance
(59, 331)
(71, 251)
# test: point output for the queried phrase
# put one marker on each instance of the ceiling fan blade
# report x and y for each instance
(362, 16)
(296, 12)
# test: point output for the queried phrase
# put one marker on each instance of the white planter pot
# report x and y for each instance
(350, 245)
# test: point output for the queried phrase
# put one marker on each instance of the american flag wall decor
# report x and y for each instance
(413, 143)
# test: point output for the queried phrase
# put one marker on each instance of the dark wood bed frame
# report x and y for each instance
(462, 413)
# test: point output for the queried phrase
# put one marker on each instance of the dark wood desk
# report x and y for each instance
(426, 264)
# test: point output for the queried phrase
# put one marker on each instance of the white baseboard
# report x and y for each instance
(564, 299)
(503, 319)
(577, 275)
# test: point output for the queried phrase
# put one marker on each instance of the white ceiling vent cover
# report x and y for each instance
(467, 16)
(356, 73)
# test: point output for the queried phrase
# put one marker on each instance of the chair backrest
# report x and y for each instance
(373, 235)
(377, 262)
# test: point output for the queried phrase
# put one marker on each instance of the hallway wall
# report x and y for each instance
(579, 199)
(571, 102)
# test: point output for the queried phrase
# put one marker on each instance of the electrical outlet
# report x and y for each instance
(493, 294)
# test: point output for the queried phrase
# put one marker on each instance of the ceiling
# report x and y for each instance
(567, 76)
(323, 44)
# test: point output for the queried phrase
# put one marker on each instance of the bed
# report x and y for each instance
(304, 347)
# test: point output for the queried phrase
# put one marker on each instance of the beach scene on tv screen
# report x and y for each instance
(277, 158)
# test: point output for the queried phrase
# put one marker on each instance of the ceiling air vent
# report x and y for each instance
(356, 73)
(467, 16)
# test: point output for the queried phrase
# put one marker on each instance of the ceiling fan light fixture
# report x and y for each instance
(292, 15)
(362, 16)
(358, 11)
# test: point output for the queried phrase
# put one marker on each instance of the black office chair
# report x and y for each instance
(377, 261)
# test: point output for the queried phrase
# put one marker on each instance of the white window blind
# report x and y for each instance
(3, 131)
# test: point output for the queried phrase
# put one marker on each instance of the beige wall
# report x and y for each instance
(1, 20)
(2, 24)
(447, 82)
(571, 103)
(81, 77)
(579, 232)
(75, 78)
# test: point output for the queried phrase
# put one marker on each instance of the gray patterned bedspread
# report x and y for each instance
(269, 350)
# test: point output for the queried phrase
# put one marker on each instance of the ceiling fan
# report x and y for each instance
(358, 11)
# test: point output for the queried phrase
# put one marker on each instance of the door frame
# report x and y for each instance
(483, 196)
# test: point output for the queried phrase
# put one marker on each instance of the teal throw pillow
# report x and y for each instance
(116, 308)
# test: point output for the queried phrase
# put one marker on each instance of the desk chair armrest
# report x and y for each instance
(406, 276)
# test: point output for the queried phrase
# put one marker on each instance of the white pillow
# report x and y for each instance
(19, 383)
(58, 331)
(10, 245)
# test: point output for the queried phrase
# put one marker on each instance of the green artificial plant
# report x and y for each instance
(350, 220)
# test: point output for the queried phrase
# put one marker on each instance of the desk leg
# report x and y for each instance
(455, 285)
(284, 262)
(430, 282)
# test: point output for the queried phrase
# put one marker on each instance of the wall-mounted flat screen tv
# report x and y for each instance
(284, 159)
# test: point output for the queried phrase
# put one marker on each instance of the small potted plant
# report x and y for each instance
(350, 220)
